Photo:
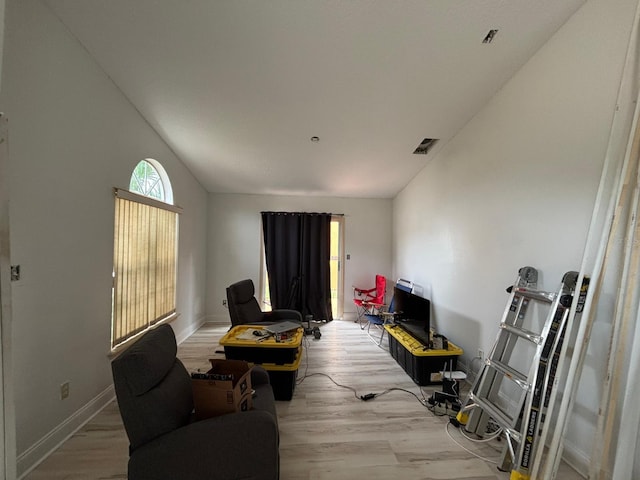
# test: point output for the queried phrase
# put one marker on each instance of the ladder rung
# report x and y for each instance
(523, 333)
(510, 373)
(483, 399)
(548, 297)
(497, 414)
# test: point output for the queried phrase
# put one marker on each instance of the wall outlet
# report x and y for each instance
(15, 273)
(224, 302)
(481, 354)
(64, 390)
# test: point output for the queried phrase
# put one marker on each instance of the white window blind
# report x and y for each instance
(145, 264)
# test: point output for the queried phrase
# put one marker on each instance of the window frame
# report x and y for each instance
(146, 247)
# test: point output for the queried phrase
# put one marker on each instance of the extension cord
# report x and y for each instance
(440, 398)
(444, 409)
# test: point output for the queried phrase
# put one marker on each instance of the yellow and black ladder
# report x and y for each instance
(521, 424)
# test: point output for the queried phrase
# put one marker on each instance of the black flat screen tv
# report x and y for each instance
(413, 314)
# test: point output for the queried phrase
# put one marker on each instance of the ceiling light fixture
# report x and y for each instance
(490, 36)
(315, 139)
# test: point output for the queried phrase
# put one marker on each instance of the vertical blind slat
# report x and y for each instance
(145, 253)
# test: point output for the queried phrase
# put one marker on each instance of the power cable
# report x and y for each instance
(465, 448)
(366, 397)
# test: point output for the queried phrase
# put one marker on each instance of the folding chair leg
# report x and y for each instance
(379, 342)
(363, 319)
(360, 317)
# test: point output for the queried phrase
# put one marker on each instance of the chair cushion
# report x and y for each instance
(243, 306)
(148, 360)
(243, 291)
(238, 446)
(153, 387)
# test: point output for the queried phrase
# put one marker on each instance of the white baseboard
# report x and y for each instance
(349, 316)
(190, 330)
(218, 319)
(40, 450)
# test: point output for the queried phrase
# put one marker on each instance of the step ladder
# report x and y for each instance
(521, 425)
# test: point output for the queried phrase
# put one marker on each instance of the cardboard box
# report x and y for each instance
(225, 388)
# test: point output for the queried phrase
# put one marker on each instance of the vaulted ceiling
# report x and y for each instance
(238, 88)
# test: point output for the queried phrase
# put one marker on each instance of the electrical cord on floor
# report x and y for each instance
(355, 392)
(365, 397)
(306, 374)
(368, 396)
(465, 448)
(423, 400)
(493, 436)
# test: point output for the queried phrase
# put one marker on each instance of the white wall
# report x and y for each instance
(73, 137)
(235, 231)
(2, 5)
(517, 185)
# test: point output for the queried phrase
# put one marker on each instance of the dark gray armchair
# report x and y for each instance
(244, 308)
(155, 398)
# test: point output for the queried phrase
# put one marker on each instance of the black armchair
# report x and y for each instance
(155, 398)
(244, 308)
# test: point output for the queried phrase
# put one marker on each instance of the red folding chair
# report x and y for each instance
(369, 301)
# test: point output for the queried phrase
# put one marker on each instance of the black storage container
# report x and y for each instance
(283, 377)
(241, 344)
(423, 365)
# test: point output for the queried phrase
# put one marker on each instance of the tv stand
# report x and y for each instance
(422, 364)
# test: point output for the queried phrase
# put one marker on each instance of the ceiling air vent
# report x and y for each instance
(490, 36)
(424, 146)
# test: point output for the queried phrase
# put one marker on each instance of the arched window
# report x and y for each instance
(145, 253)
(150, 179)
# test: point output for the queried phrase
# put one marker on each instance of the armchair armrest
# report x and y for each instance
(259, 376)
(377, 306)
(362, 291)
(238, 445)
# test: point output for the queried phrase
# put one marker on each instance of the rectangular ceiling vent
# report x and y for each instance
(490, 36)
(424, 146)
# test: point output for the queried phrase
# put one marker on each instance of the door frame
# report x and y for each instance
(339, 219)
(7, 412)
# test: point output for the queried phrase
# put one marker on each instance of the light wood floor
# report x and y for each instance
(326, 433)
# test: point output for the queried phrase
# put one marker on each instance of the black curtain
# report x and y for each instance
(297, 251)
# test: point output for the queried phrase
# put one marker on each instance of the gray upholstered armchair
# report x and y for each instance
(244, 308)
(155, 397)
